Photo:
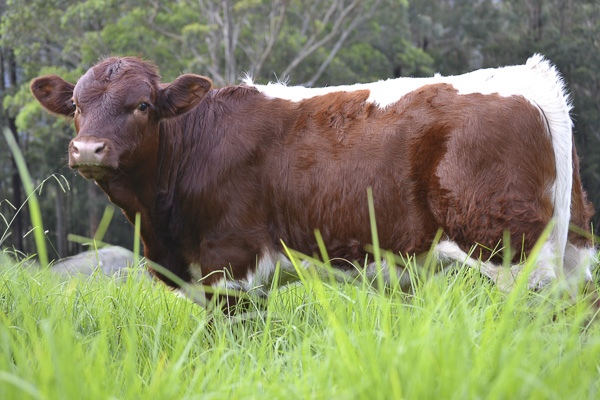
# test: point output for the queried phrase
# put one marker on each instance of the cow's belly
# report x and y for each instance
(337, 205)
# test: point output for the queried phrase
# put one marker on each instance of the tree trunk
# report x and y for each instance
(229, 42)
(8, 69)
(17, 199)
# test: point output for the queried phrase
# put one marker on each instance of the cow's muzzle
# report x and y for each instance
(90, 157)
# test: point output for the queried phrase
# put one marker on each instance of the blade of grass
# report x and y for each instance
(136, 240)
(34, 207)
(375, 238)
(86, 241)
(104, 222)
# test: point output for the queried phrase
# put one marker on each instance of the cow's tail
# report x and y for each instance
(550, 95)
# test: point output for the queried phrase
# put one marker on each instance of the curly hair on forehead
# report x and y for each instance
(112, 68)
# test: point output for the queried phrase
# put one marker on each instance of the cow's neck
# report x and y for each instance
(134, 194)
(150, 191)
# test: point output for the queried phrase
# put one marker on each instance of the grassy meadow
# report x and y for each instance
(455, 337)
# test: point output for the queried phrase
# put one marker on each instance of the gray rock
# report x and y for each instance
(110, 261)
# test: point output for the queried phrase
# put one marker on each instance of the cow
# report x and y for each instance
(225, 179)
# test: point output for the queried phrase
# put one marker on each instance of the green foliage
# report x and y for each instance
(415, 61)
(359, 62)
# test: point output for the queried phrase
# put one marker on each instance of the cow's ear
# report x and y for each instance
(54, 94)
(182, 94)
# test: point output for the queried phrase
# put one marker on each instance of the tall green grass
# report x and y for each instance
(453, 337)
(34, 208)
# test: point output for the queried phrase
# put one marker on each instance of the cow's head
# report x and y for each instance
(116, 107)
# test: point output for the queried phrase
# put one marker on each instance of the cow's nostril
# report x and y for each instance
(100, 148)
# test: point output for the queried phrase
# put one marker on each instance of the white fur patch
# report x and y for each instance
(194, 291)
(196, 272)
(578, 262)
(543, 273)
(262, 278)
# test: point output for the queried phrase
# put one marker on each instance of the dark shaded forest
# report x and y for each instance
(308, 42)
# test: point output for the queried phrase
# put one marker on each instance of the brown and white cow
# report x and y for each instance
(221, 177)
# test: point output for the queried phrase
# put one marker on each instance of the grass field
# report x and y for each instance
(454, 337)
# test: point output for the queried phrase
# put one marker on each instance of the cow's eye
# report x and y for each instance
(143, 106)
(74, 106)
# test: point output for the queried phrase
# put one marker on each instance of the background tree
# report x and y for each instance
(310, 42)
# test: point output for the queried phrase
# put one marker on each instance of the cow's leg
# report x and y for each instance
(577, 272)
(219, 290)
(237, 298)
(578, 262)
(230, 297)
(398, 274)
(234, 297)
(448, 252)
(246, 293)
